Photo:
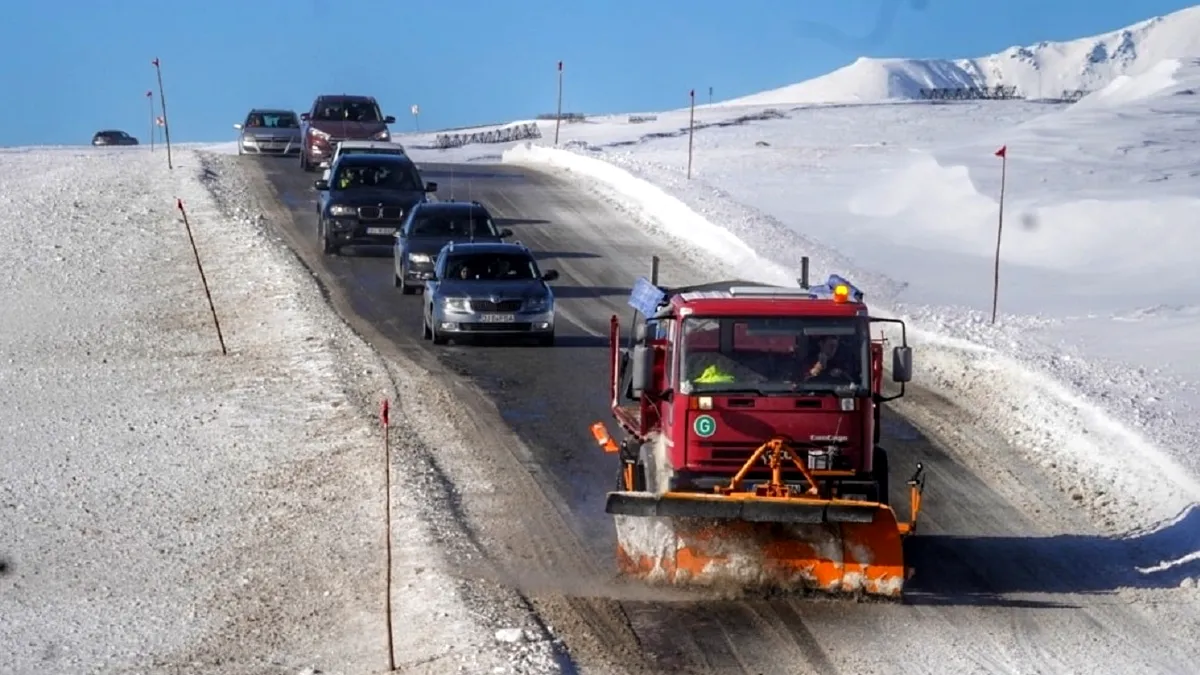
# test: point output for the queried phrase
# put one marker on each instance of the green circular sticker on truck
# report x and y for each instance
(704, 426)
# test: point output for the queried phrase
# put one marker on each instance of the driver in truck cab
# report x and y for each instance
(827, 361)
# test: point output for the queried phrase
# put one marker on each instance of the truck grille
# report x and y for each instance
(380, 213)
(499, 306)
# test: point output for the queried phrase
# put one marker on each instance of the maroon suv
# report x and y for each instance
(339, 117)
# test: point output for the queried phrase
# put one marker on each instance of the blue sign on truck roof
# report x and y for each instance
(646, 297)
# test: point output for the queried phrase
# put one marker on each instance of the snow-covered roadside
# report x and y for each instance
(451, 611)
(1083, 449)
(164, 507)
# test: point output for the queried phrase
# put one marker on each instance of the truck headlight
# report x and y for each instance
(455, 304)
(418, 257)
(342, 210)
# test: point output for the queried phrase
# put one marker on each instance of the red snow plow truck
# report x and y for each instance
(751, 453)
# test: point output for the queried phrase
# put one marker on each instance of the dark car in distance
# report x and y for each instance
(366, 199)
(113, 137)
(340, 117)
(428, 228)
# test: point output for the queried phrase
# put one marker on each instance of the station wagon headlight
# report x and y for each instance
(538, 304)
(418, 257)
(455, 304)
(342, 210)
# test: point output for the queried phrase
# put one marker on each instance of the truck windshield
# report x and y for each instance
(774, 354)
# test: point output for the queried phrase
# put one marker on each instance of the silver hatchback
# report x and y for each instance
(492, 288)
(269, 131)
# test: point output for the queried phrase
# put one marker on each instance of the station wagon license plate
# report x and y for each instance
(381, 230)
(497, 318)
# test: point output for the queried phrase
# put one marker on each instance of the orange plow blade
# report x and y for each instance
(759, 543)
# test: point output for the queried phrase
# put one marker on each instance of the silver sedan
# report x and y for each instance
(269, 131)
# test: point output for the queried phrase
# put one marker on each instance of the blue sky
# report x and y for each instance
(72, 69)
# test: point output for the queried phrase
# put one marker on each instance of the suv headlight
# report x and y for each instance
(342, 210)
(418, 257)
(538, 304)
(455, 304)
(318, 134)
(382, 136)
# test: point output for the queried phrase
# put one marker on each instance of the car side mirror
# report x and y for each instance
(549, 275)
(305, 117)
(431, 187)
(389, 120)
(902, 364)
(320, 184)
(238, 127)
(505, 233)
(642, 370)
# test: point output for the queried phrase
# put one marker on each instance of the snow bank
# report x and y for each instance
(1046, 69)
(1107, 468)
(1131, 88)
(166, 506)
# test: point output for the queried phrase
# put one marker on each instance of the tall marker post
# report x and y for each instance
(385, 419)
(691, 131)
(1002, 153)
(150, 98)
(558, 115)
(416, 113)
(162, 99)
(710, 95)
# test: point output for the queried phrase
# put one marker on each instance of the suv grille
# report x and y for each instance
(378, 213)
(501, 306)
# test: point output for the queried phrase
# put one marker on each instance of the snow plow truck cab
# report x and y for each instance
(750, 455)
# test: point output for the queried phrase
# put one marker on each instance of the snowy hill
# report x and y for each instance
(1043, 70)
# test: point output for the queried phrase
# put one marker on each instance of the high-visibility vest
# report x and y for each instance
(713, 374)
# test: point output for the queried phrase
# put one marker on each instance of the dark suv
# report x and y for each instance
(366, 199)
(428, 228)
(340, 117)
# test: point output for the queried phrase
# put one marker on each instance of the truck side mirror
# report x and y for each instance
(902, 364)
(643, 369)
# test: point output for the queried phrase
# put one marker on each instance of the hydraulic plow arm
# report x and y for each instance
(916, 488)
(773, 451)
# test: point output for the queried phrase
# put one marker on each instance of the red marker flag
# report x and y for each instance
(560, 66)
(1003, 151)
(383, 413)
(155, 62)
(149, 93)
(179, 203)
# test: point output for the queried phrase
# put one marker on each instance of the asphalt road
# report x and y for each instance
(1006, 575)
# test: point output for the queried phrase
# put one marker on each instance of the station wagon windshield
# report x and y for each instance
(491, 267)
(376, 177)
(451, 226)
(774, 354)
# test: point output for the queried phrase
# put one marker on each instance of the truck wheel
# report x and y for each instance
(880, 462)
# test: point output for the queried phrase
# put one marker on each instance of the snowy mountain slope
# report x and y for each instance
(1043, 70)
